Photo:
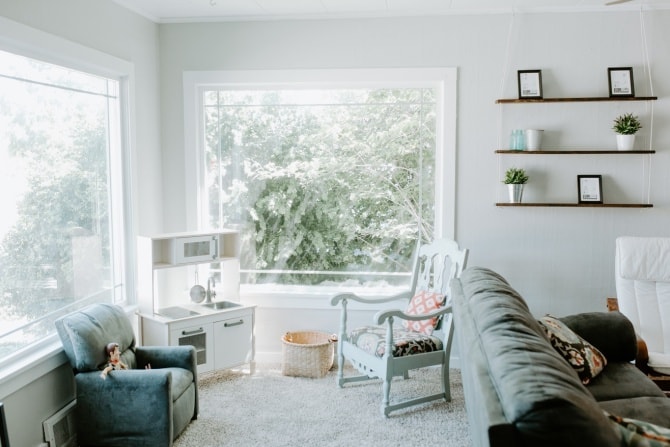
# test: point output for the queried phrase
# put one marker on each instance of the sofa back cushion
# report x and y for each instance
(85, 334)
(539, 393)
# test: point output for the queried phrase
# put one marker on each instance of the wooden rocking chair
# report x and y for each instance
(392, 350)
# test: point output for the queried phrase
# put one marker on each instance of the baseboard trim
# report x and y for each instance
(276, 357)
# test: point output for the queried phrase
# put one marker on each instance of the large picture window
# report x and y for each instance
(61, 241)
(329, 185)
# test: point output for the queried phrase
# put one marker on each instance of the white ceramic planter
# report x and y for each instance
(515, 191)
(625, 142)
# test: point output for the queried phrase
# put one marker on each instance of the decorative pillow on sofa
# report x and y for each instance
(637, 433)
(422, 303)
(585, 358)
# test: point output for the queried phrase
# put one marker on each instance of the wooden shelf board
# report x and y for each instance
(582, 99)
(571, 152)
(580, 205)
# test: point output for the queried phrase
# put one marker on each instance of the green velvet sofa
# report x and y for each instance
(520, 391)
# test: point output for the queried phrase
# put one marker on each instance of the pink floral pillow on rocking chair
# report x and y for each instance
(422, 303)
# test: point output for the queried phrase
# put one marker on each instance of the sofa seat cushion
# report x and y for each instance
(621, 380)
(372, 339)
(655, 410)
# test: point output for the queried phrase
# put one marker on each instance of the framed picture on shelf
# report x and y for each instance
(620, 81)
(590, 188)
(530, 84)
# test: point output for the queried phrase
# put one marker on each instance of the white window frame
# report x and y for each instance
(30, 42)
(444, 80)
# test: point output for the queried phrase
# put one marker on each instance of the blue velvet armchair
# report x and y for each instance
(132, 407)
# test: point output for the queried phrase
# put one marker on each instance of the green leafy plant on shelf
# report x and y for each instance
(626, 124)
(515, 176)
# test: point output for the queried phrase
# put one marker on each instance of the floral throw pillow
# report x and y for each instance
(422, 303)
(585, 358)
(637, 433)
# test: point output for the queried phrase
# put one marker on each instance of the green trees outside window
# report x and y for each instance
(56, 157)
(329, 186)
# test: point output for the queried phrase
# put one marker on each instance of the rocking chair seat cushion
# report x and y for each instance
(372, 339)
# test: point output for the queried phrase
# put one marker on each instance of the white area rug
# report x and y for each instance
(269, 409)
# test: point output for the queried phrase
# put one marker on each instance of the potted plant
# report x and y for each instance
(515, 178)
(626, 126)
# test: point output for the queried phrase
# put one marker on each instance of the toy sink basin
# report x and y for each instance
(221, 305)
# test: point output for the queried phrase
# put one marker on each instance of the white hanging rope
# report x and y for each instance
(650, 104)
(505, 73)
(508, 49)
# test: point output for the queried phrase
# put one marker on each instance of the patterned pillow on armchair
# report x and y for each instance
(422, 303)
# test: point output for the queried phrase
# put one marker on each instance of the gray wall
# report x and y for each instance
(560, 259)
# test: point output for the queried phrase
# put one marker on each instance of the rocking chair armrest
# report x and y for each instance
(383, 315)
(377, 300)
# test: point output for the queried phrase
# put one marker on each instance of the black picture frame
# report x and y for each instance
(590, 188)
(530, 84)
(4, 436)
(620, 81)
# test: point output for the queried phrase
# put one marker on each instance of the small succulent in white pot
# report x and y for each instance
(515, 178)
(626, 126)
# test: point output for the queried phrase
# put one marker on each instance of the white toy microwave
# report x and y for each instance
(187, 250)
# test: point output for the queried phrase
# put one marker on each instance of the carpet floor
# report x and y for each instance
(269, 409)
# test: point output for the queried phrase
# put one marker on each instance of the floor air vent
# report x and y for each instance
(59, 430)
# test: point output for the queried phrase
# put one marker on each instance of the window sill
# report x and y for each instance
(305, 297)
(17, 374)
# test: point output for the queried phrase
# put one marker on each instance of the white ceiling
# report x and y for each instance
(170, 11)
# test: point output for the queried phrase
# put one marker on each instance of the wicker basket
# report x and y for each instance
(307, 354)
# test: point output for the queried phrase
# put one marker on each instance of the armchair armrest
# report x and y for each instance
(134, 402)
(167, 357)
(611, 332)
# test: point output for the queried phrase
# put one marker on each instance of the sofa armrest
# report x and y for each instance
(167, 357)
(611, 332)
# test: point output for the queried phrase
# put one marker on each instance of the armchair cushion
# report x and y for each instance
(85, 334)
(422, 303)
(585, 358)
(372, 339)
